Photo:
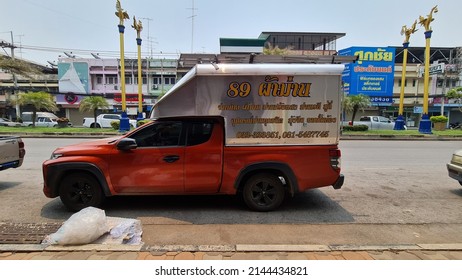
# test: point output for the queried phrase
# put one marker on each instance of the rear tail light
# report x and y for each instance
(335, 161)
(22, 150)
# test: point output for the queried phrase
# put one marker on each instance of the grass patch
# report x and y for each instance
(412, 132)
(54, 130)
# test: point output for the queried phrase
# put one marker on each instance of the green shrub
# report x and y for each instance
(438, 119)
(140, 123)
(360, 127)
(115, 125)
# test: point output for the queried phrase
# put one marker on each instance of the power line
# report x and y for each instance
(86, 51)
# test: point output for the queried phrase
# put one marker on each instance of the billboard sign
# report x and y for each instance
(372, 74)
(73, 77)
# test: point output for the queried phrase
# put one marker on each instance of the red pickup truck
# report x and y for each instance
(217, 133)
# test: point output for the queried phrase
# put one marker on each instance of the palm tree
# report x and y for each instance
(39, 100)
(455, 93)
(92, 104)
(353, 103)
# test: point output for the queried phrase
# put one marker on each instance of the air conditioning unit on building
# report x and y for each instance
(155, 86)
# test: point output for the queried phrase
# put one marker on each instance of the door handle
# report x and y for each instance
(171, 158)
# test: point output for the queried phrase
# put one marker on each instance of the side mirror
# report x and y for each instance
(126, 144)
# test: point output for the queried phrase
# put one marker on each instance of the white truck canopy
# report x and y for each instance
(263, 104)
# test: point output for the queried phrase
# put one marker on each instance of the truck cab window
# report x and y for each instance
(159, 135)
(199, 133)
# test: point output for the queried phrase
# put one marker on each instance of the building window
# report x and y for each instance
(169, 80)
(128, 80)
(400, 81)
(99, 79)
(414, 83)
(155, 80)
(111, 80)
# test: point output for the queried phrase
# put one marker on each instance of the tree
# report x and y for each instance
(18, 67)
(270, 50)
(39, 101)
(353, 103)
(456, 93)
(92, 104)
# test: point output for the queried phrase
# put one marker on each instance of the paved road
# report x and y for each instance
(395, 192)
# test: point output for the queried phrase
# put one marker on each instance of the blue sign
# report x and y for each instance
(372, 74)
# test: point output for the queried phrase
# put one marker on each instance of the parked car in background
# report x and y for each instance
(373, 122)
(104, 121)
(43, 119)
(455, 166)
(7, 122)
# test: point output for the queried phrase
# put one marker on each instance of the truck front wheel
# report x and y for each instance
(80, 190)
(263, 192)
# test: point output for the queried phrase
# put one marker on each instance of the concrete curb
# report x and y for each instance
(228, 248)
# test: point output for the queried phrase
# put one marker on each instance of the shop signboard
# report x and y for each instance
(372, 74)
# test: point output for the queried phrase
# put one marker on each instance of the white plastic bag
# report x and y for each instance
(83, 227)
(128, 231)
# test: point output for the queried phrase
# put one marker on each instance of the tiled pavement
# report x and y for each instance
(337, 255)
(127, 252)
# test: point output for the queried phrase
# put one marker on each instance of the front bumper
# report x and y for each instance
(455, 171)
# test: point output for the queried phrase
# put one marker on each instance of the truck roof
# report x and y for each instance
(239, 69)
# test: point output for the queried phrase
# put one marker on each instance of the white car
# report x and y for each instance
(455, 166)
(104, 121)
(7, 122)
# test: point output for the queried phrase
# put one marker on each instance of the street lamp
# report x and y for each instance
(122, 15)
(138, 26)
(425, 125)
(399, 124)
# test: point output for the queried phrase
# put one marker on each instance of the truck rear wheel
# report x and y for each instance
(263, 192)
(80, 190)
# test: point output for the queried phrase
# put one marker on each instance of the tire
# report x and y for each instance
(263, 192)
(80, 190)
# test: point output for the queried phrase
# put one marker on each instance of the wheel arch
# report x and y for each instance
(276, 168)
(58, 171)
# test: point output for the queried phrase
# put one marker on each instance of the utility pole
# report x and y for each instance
(149, 44)
(149, 56)
(192, 25)
(15, 79)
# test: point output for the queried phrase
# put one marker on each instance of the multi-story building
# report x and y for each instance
(81, 77)
(11, 86)
(439, 83)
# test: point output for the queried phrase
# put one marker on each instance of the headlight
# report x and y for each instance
(55, 155)
(456, 159)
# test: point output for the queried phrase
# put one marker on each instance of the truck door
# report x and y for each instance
(204, 156)
(156, 166)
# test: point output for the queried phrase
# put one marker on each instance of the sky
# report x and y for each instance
(44, 29)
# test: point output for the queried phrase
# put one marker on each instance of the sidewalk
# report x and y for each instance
(242, 252)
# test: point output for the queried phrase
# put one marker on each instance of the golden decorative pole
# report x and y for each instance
(122, 15)
(138, 26)
(399, 124)
(425, 124)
